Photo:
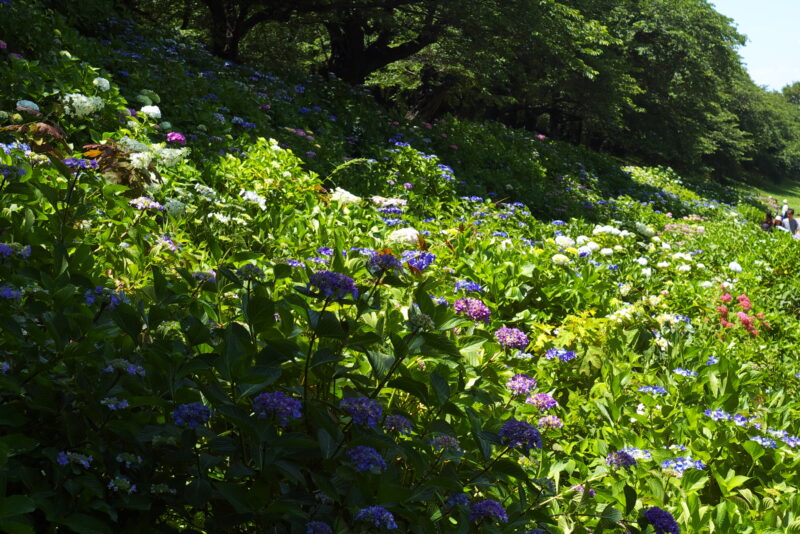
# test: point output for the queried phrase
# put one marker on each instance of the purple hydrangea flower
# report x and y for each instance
(488, 509)
(146, 203)
(114, 404)
(333, 285)
(474, 309)
(518, 433)
(8, 292)
(543, 401)
(445, 442)
(511, 338)
(521, 384)
(619, 459)
(279, 405)
(6, 250)
(399, 424)
(192, 415)
(662, 521)
(367, 459)
(379, 516)
(550, 421)
(362, 410)
(176, 137)
(582, 489)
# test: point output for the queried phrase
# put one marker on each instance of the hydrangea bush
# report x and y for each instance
(213, 322)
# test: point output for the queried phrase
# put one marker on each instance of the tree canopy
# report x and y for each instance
(655, 80)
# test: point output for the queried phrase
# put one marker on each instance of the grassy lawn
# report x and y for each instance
(785, 191)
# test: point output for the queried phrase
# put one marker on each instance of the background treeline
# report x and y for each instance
(656, 81)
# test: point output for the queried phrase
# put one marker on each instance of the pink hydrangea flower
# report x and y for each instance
(176, 137)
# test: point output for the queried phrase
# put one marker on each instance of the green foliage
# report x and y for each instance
(174, 353)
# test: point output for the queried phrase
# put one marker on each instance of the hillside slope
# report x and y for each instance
(235, 303)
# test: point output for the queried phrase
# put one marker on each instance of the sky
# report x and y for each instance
(772, 52)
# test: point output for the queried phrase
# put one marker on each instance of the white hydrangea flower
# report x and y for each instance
(132, 145)
(594, 247)
(405, 236)
(78, 105)
(706, 284)
(344, 197)
(384, 202)
(642, 261)
(205, 191)
(560, 259)
(606, 251)
(254, 197)
(101, 83)
(584, 251)
(169, 157)
(219, 217)
(735, 267)
(564, 241)
(174, 207)
(154, 112)
(684, 268)
(647, 271)
(662, 264)
(582, 240)
(141, 160)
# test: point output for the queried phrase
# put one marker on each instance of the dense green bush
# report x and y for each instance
(206, 328)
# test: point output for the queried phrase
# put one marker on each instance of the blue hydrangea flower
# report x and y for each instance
(333, 285)
(562, 354)
(362, 410)
(367, 459)
(279, 405)
(718, 415)
(418, 259)
(191, 415)
(114, 404)
(457, 500)
(681, 464)
(638, 454)
(468, 286)
(765, 441)
(712, 360)
(684, 372)
(488, 509)
(378, 516)
(653, 390)
(661, 520)
(619, 459)
(382, 263)
(318, 527)
(522, 434)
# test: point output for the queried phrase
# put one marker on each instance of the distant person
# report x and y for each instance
(790, 223)
(784, 208)
(768, 222)
(777, 223)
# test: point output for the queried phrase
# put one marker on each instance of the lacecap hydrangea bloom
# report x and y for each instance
(399, 424)
(543, 401)
(318, 527)
(562, 354)
(379, 264)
